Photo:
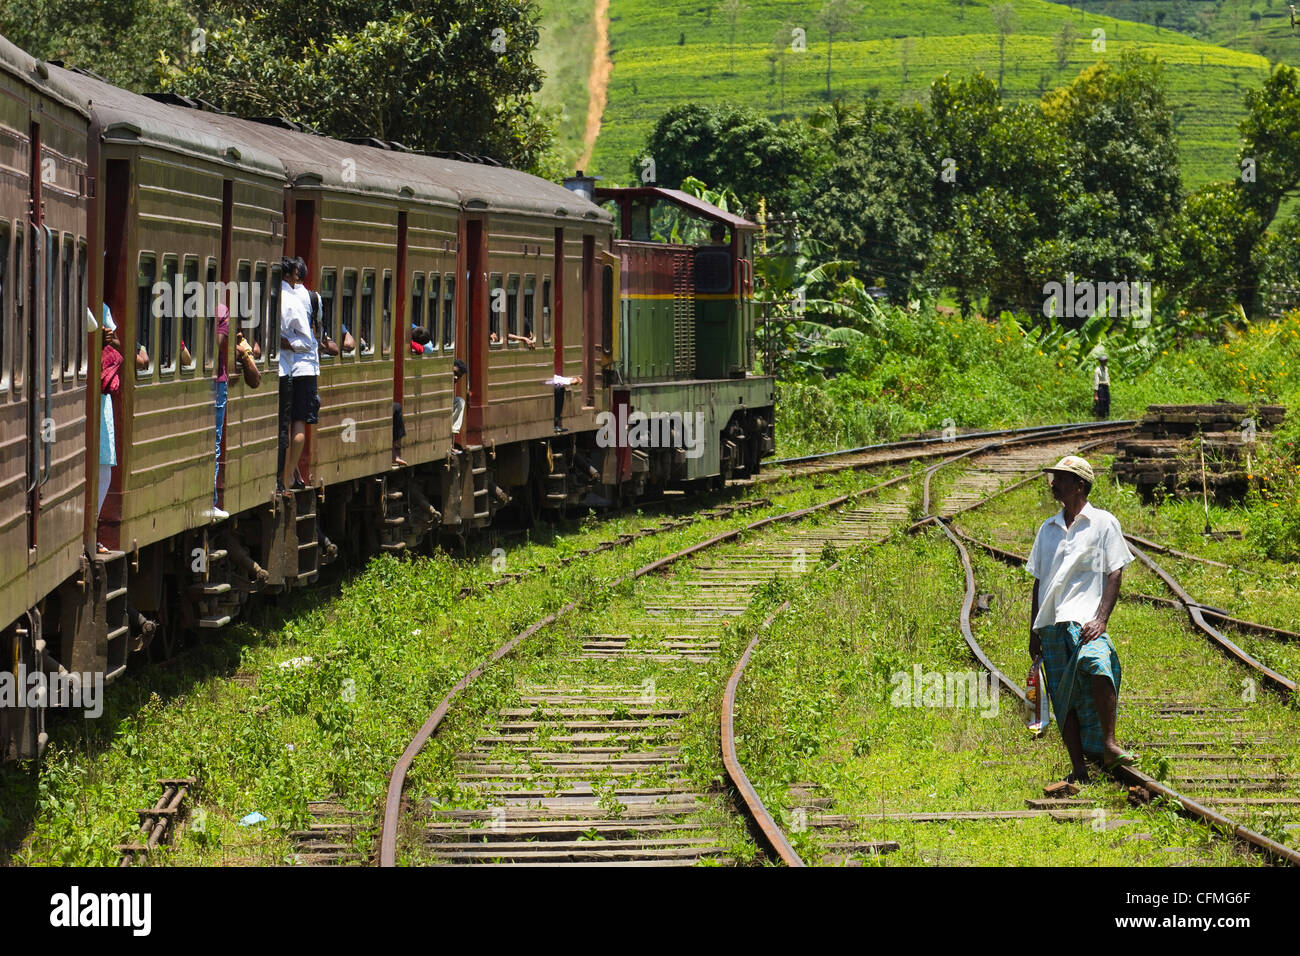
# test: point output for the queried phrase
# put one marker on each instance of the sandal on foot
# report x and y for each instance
(100, 549)
(1124, 759)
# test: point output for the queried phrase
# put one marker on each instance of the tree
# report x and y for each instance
(737, 148)
(1063, 43)
(874, 206)
(435, 75)
(836, 16)
(1160, 19)
(1119, 127)
(1004, 18)
(732, 10)
(117, 40)
(1270, 149)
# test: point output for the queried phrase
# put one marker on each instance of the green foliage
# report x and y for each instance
(434, 75)
(653, 72)
(732, 146)
(118, 39)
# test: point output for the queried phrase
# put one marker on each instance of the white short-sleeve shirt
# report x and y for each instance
(303, 358)
(1071, 564)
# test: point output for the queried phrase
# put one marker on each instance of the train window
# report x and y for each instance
(272, 309)
(210, 317)
(329, 280)
(144, 311)
(417, 300)
(4, 305)
(530, 297)
(20, 328)
(449, 311)
(82, 305)
(70, 336)
(262, 297)
(242, 314)
(348, 314)
(53, 320)
(496, 306)
(191, 309)
(366, 340)
(386, 315)
(435, 294)
(546, 310)
(512, 309)
(167, 321)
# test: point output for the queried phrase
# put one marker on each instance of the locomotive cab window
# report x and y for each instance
(512, 310)
(191, 308)
(328, 289)
(496, 306)
(546, 310)
(145, 277)
(348, 310)
(210, 317)
(448, 311)
(366, 337)
(166, 313)
(386, 315)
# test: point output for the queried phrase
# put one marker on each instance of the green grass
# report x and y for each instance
(564, 54)
(383, 651)
(670, 53)
(1225, 22)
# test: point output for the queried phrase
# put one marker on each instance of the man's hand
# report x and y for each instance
(1093, 630)
(1035, 646)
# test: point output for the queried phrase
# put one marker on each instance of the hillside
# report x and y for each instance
(1257, 26)
(671, 51)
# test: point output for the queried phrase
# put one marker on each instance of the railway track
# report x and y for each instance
(1198, 749)
(591, 765)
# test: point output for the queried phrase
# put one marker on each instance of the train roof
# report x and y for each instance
(677, 198)
(307, 159)
(123, 115)
(42, 76)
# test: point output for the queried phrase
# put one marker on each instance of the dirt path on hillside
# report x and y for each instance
(601, 68)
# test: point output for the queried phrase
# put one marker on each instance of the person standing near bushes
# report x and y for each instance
(1101, 389)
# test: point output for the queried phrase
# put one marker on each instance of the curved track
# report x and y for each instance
(588, 769)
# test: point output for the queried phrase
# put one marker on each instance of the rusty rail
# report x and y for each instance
(1134, 776)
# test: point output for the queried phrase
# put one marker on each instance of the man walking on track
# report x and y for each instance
(1077, 561)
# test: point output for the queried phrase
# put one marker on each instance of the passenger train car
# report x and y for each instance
(160, 208)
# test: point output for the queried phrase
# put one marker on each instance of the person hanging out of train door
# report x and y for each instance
(458, 371)
(220, 385)
(561, 385)
(110, 381)
(300, 365)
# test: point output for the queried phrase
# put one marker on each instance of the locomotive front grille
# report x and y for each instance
(684, 315)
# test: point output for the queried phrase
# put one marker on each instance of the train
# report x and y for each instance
(607, 335)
